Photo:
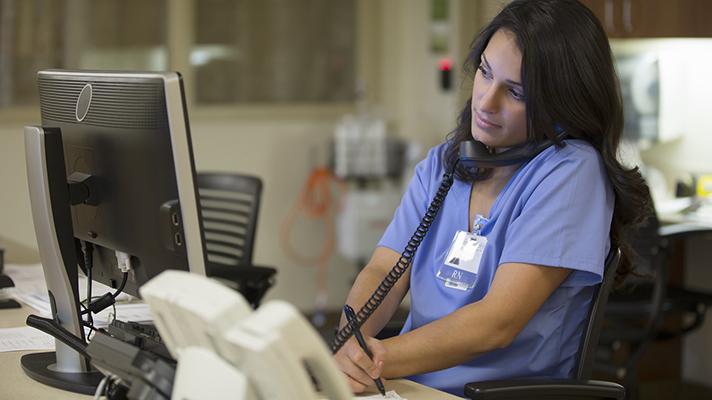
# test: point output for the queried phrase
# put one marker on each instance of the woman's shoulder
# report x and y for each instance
(575, 153)
(434, 159)
(437, 152)
(576, 160)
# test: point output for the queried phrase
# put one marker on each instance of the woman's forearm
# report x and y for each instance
(443, 343)
(367, 281)
(516, 294)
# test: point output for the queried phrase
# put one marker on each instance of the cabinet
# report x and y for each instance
(653, 18)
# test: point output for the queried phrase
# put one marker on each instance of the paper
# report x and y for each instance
(24, 338)
(136, 312)
(38, 301)
(31, 289)
(28, 279)
(391, 394)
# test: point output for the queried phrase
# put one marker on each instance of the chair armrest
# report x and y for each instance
(229, 272)
(544, 389)
(250, 280)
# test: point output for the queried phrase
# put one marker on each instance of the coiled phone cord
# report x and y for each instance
(400, 267)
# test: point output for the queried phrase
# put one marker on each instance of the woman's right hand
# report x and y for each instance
(359, 369)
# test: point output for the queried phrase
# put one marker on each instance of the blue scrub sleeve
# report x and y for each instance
(566, 221)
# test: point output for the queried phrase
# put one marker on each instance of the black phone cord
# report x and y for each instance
(399, 268)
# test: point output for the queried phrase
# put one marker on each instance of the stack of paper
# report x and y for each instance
(24, 338)
(31, 289)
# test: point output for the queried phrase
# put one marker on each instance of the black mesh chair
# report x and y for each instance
(230, 205)
(636, 313)
(579, 386)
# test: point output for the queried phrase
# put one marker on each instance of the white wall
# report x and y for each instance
(282, 153)
(685, 90)
(16, 230)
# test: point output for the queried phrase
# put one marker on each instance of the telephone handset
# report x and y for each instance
(282, 355)
(473, 155)
(225, 350)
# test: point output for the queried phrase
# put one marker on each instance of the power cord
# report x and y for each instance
(97, 304)
(88, 251)
(101, 388)
(108, 299)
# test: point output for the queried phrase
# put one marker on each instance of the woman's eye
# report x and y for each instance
(516, 94)
(484, 71)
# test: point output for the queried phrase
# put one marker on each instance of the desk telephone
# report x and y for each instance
(273, 352)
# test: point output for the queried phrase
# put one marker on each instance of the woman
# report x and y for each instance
(539, 230)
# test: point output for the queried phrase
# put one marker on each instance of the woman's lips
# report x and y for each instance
(484, 123)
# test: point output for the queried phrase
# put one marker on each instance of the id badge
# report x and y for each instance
(462, 261)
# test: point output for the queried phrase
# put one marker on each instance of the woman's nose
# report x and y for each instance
(489, 102)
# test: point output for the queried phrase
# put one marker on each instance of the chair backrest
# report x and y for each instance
(587, 350)
(229, 204)
(649, 248)
(642, 294)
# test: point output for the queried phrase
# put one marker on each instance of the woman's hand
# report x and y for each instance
(360, 370)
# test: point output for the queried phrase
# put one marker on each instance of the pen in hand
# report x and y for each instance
(351, 318)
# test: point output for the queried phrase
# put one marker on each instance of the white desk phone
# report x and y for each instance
(226, 350)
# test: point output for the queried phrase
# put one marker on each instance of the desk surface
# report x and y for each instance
(16, 385)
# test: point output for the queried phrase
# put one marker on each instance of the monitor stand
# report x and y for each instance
(64, 368)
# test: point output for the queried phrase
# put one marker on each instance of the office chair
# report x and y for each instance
(579, 386)
(230, 205)
(683, 301)
(636, 312)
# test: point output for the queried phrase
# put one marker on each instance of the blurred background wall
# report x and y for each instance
(266, 83)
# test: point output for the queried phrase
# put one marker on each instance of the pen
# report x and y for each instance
(351, 318)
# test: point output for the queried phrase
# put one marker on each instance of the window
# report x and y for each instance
(27, 43)
(241, 51)
(274, 51)
(87, 34)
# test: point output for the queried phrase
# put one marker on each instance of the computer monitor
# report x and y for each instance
(112, 165)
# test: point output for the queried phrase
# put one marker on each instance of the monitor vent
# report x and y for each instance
(139, 105)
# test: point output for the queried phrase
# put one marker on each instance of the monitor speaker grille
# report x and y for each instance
(131, 105)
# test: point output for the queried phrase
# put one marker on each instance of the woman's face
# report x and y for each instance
(498, 109)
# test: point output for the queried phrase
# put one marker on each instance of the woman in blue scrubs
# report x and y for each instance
(502, 283)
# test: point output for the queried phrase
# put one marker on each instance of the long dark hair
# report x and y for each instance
(569, 81)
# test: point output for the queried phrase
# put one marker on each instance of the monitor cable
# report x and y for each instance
(108, 299)
(98, 304)
(88, 252)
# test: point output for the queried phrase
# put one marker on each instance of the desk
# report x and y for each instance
(689, 267)
(14, 384)
(686, 358)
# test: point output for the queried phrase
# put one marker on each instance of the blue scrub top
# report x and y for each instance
(556, 211)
